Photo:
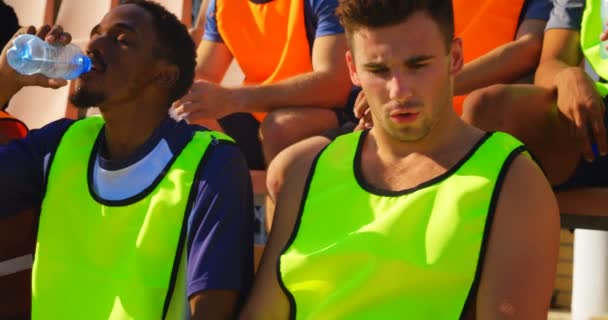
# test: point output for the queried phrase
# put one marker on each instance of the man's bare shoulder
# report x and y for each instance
(525, 180)
(267, 300)
(520, 263)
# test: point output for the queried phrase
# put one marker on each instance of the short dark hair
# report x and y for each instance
(354, 14)
(175, 45)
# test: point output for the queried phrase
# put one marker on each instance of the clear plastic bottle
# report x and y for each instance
(30, 55)
(604, 16)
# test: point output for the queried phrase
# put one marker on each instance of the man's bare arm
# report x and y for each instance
(326, 86)
(212, 61)
(560, 51)
(267, 300)
(577, 97)
(214, 305)
(520, 264)
(198, 27)
(507, 63)
(11, 81)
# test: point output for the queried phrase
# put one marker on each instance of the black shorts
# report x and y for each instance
(245, 130)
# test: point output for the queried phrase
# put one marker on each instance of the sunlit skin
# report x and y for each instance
(407, 77)
(406, 72)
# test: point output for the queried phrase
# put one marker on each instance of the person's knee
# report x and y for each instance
(484, 108)
(277, 127)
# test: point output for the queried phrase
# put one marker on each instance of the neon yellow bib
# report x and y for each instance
(101, 260)
(591, 29)
(360, 254)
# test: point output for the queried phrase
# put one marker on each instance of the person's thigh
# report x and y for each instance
(530, 114)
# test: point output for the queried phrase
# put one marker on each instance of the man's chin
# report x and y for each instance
(84, 99)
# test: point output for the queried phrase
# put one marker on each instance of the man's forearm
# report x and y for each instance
(7, 90)
(506, 63)
(321, 89)
(548, 72)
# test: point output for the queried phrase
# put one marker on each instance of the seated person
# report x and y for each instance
(414, 218)
(15, 249)
(296, 83)
(10, 128)
(562, 117)
(485, 65)
(138, 210)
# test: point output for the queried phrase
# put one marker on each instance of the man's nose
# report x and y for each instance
(96, 45)
(400, 87)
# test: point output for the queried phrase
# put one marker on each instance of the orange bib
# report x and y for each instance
(11, 128)
(484, 25)
(268, 40)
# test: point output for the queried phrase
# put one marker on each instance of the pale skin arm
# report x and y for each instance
(198, 29)
(213, 305)
(327, 86)
(12, 81)
(212, 61)
(267, 301)
(508, 62)
(520, 264)
(577, 99)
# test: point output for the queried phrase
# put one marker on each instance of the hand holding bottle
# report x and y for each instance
(14, 80)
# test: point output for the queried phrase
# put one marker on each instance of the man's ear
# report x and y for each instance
(167, 76)
(456, 56)
(352, 69)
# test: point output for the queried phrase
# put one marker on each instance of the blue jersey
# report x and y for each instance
(536, 9)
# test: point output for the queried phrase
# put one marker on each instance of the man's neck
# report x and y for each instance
(445, 133)
(129, 126)
(390, 164)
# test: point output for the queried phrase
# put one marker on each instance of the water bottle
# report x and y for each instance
(30, 54)
(604, 16)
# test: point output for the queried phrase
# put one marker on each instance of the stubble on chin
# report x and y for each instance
(84, 99)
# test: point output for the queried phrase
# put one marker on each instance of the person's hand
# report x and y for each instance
(362, 112)
(12, 78)
(578, 100)
(207, 100)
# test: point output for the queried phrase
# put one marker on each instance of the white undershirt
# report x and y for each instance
(115, 185)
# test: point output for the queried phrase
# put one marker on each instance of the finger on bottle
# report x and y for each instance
(43, 31)
(65, 38)
(54, 34)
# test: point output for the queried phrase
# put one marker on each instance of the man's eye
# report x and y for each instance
(416, 66)
(122, 40)
(379, 70)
